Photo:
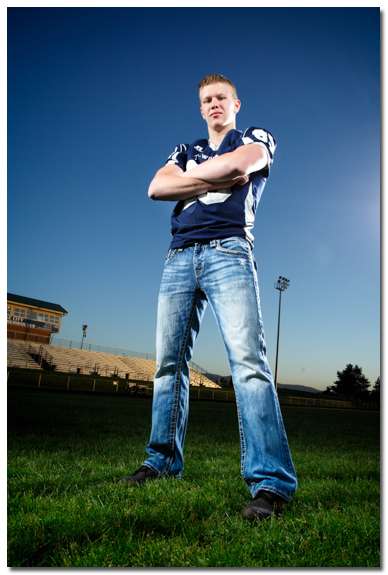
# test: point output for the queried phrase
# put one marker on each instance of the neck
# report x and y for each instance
(216, 136)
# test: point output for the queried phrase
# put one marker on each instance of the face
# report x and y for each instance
(218, 105)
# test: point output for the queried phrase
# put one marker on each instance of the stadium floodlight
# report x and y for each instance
(281, 285)
(83, 335)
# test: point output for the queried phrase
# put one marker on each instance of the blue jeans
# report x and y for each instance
(222, 273)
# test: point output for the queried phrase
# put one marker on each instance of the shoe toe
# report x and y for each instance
(263, 506)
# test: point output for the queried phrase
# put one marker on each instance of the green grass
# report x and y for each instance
(67, 508)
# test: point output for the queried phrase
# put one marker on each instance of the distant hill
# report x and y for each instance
(215, 377)
(299, 388)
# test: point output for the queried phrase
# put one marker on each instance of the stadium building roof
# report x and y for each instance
(35, 303)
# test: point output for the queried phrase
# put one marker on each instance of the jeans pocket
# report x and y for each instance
(170, 255)
(235, 246)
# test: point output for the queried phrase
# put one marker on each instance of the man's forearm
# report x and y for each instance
(229, 166)
(175, 188)
(219, 169)
(172, 184)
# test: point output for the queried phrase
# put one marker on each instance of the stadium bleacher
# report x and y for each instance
(89, 362)
(18, 356)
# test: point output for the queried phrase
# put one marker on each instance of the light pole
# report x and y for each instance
(281, 285)
(83, 335)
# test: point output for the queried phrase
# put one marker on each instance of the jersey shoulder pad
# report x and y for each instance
(178, 156)
(260, 136)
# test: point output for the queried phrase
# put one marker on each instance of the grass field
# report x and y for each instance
(67, 508)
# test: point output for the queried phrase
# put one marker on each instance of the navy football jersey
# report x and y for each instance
(227, 212)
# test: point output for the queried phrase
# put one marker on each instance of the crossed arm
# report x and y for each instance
(172, 183)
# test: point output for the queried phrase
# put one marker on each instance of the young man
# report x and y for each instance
(217, 183)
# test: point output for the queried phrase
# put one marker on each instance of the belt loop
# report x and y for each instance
(213, 243)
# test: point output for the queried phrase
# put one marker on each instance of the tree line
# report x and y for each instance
(352, 384)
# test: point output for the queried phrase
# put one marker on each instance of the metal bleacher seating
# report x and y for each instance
(69, 360)
(18, 356)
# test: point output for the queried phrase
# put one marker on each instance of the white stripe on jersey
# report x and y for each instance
(210, 198)
(249, 215)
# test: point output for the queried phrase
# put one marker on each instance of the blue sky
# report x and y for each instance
(97, 100)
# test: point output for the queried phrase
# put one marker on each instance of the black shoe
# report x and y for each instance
(264, 505)
(140, 475)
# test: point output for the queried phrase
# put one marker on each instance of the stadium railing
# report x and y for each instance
(23, 379)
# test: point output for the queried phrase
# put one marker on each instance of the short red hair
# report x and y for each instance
(214, 79)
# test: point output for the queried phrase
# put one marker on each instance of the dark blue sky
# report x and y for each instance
(97, 100)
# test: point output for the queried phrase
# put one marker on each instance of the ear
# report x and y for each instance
(237, 106)
(202, 113)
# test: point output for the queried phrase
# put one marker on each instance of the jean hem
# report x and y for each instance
(287, 498)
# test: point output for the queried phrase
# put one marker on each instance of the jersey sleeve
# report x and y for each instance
(263, 138)
(179, 156)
